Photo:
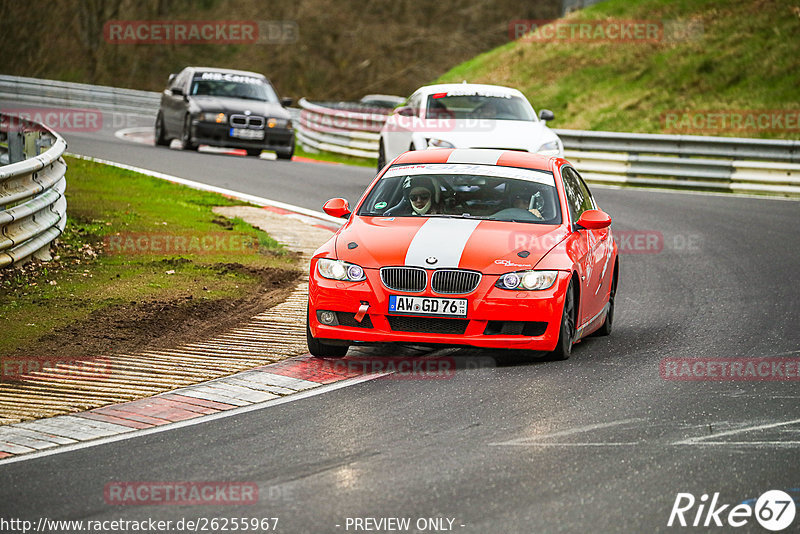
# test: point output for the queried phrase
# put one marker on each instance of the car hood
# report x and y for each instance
(436, 242)
(238, 105)
(498, 134)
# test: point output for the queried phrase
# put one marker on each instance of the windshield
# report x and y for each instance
(245, 87)
(479, 106)
(465, 190)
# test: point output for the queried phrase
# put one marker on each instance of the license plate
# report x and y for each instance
(428, 306)
(245, 133)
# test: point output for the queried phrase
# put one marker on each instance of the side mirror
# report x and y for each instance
(337, 207)
(594, 220)
(177, 91)
(171, 77)
(546, 115)
(286, 102)
(405, 111)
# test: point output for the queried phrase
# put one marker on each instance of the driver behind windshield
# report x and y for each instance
(423, 195)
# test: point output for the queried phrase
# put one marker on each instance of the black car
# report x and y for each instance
(227, 108)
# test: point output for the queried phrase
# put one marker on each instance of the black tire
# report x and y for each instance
(160, 133)
(285, 154)
(186, 135)
(318, 349)
(605, 328)
(381, 157)
(254, 152)
(566, 334)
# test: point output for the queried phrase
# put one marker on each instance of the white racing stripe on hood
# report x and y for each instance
(443, 239)
(471, 155)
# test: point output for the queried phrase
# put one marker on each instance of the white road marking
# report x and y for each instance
(191, 422)
(536, 440)
(717, 435)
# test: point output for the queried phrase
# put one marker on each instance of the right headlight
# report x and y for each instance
(219, 118)
(552, 146)
(440, 143)
(527, 280)
(340, 270)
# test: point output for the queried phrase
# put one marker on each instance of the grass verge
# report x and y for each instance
(133, 240)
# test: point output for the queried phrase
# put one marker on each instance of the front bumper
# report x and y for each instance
(488, 309)
(209, 133)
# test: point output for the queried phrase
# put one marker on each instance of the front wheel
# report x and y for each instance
(186, 135)
(254, 152)
(285, 154)
(318, 349)
(566, 334)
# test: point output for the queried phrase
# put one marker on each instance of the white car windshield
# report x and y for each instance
(465, 191)
(478, 106)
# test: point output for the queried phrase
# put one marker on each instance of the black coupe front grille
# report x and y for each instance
(455, 281)
(408, 279)
(429, 325)
(248, 121)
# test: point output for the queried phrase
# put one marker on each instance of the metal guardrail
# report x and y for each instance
(33, 209)
(78, 95)
(682, 161)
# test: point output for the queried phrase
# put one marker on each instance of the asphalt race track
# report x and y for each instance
(598, 443)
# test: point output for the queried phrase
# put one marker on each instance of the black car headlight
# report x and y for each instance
(219, 118)
(527, 280)
(340, 270)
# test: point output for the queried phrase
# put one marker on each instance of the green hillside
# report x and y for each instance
(739, 58)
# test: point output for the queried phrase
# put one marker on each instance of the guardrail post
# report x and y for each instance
(16, 150)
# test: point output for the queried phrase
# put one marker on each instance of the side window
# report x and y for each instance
(587, 194)
(573, 192)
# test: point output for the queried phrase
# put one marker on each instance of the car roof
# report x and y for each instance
(505, 158)
(228, 71)
(447, 87)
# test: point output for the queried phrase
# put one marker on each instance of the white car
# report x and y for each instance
(467, 115)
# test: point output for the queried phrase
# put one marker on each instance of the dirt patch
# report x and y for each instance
(147, 325)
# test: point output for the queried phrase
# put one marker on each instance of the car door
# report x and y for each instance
(581, 243)
(174, 105)
(602, 250)
(398, 134)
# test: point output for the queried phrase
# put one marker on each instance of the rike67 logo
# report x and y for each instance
(774, 510)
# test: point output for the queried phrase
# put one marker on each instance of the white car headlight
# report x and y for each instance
(278, 123)
(440, 143)
(340, 270)
(552, 146)
(527, 280)
(219, 118)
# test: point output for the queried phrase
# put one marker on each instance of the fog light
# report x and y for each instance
(327, 317)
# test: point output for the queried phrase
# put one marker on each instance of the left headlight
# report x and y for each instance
(219, 118)
(340, 270)
(552, 146)
(527, 280)
(278, 123)
(440, 143)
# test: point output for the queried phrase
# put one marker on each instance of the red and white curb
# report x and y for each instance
(254, 388)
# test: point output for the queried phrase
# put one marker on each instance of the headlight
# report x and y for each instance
(440, 143)
(527, 280)
(340, 270)
(219, 118)
(552, 146)
(278, 123)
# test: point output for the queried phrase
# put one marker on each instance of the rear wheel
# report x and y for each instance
(186, 135)
(160, 134)
(319, 349)
(566, 334)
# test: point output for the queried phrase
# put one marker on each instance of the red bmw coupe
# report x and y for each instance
(486, 248)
